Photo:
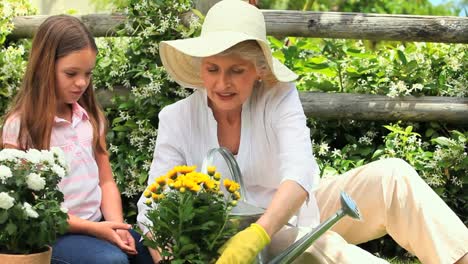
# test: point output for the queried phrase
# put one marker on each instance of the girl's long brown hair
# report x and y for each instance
(35, 103)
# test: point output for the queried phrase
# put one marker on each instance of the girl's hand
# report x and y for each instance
(128, 240)
(108, 231)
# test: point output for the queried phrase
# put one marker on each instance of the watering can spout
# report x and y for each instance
(348, 207)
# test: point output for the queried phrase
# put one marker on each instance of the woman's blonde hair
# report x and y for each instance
(250, 50)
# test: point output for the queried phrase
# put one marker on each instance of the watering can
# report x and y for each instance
(248, 213)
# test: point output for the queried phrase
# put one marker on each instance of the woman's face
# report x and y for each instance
(228, 80)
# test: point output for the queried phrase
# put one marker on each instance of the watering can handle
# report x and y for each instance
(232, 165)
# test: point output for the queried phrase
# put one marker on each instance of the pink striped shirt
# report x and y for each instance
(81, 186)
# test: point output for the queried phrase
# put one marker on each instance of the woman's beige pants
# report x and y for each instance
(393, 200)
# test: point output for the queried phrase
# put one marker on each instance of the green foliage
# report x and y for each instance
(391, 69)
(12, 54)
(190, 227)
(31, 216)
(134, 63)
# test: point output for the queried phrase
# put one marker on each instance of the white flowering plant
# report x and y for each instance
(31, 216)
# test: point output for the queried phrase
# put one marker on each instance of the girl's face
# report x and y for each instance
(229, 81)
(73, 74)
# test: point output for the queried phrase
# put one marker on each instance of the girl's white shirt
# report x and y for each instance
(274, 146)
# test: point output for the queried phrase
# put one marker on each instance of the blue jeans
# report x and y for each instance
(82, 249)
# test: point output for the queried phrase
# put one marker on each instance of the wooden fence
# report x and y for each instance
(444, 29)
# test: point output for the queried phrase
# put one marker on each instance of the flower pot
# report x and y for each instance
(36, 258)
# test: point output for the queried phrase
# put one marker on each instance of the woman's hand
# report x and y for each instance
(153, 252)
(244, 246)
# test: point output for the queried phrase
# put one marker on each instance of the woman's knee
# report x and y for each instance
(396, 170)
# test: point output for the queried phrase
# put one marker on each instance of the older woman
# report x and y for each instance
(246, 101)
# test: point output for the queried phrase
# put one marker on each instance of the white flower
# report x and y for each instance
(63, 209)
(11, 154)
(35, 182)
(58, 153)
(47, 156)
(323, 149)
(30, 212)
(6, 201)
(5, 173)
(33, 155)
(58, 170)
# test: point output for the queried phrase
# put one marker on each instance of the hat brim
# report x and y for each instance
(178, 59)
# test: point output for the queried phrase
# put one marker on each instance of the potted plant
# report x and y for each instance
(31, 216)
(190, 214)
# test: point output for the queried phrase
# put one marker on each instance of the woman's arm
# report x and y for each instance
(285, 203)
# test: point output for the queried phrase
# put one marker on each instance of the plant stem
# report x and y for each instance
(210, 247)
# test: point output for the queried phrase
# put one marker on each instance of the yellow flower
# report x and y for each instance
(172, 174)
(148, 202)
(156, 197)
(184, 169)
(217, 176)
(233, 188)
(236, 195)
(209, 185)
(153, 187)
(195, 188)
(211, 170)
(231, 185)
(177, 184)
(147, 193)
(161, 180)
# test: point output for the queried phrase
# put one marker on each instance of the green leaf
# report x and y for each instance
(402, 57)
(11, 228)
(3, 216)
(142, 178)
(409, 129)
(442, 141)
(120, 128)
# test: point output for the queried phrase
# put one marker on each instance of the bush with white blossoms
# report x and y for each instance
(31, 216)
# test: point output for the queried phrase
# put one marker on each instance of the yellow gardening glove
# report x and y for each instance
(244, 246)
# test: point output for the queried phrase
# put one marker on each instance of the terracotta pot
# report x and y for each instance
(37, 258)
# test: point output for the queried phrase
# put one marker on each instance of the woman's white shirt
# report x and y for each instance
(274, 146)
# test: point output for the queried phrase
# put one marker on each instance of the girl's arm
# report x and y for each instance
(111, 203)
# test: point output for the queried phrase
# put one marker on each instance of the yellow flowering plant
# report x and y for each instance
(190, 214)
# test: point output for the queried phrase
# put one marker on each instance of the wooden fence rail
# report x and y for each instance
(365, 107)
(446, 29)
(333, 25)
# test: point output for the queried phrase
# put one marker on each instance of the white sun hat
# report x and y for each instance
(227, 23)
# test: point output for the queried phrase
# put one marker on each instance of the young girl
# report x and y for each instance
(56, 106)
